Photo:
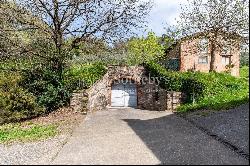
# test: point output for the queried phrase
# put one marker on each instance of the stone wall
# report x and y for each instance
(149, 95)
(174, 100)
(100, 92)
(79, 100)
(98, 95)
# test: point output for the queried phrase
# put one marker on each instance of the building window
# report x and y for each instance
(204, 46)
(173, 64)
(203, 60)
(226, 60)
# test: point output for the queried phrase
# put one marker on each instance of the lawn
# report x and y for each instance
(244, 72)
(211, 91)
(23, 133)
(223, 92)
(61, 121)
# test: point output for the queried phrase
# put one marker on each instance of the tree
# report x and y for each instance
(145, 49)
(216, 19)
(107, 20)
(49, 32)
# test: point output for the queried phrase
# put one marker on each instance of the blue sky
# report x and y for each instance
(164, 12)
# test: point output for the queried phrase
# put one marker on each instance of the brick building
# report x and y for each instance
(194, 53)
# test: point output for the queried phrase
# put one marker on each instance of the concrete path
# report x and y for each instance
(142, 137)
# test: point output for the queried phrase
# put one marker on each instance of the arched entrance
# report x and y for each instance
(124, 94)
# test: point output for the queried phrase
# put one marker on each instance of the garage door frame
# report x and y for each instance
(123, 98)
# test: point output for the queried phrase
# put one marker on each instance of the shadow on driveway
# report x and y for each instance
(175, 141)
(231, 126)
(140, 137)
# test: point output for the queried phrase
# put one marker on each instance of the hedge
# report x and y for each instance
(16, 103)
(204, 90)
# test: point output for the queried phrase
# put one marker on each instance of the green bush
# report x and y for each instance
(83, 76)
(176, 81)
(16, 103)
(35, 86)
(244, 72)
(204, 90)
(47, 85)
(53, 92)
(244, 59)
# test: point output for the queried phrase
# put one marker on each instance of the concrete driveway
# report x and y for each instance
(130, 136)
(231, 126)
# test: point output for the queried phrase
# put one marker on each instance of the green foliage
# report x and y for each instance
(204, 90)
(83, 76)
(244, 72)
(16, 103)
(90, 47)
(47, 85)
(222, 92)
(144, 50)
(244, 59)
(175, 81)
(15, 132)
(24, 94)
(53, 92)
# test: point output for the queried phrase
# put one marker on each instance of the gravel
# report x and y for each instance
(42, 152)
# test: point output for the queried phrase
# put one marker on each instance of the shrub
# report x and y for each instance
(204, 90)
(175, 81)
(47, 85)
(16, 103)
(244, 59)
(244, 72)
(83, 76)
(52, 91)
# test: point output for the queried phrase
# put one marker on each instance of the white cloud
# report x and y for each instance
(164, 12)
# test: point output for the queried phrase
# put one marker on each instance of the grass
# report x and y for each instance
(244, 72)
(30, 132)
(230, 94)
(211, 91)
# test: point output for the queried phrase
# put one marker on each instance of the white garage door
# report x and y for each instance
(124, 95)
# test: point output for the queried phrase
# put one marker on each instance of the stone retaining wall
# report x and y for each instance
(79, 100)
(150, 95)
(173, 100)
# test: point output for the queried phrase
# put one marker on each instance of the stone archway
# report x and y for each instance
(100, 93)
(148, 96)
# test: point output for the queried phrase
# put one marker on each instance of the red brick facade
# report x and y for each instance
(192, 58)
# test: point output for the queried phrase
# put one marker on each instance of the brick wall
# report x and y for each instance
(188, 53)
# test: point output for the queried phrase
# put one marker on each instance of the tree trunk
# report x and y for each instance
(213, 50)
(212, 62)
